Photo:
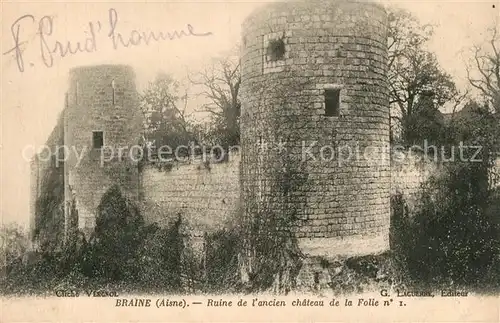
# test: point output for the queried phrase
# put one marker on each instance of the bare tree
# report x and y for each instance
(220, 85)
(414, 72)
(484, 70)
(167, 121)
(405, 32)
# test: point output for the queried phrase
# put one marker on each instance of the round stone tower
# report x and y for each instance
(315, 124)
(102, 124)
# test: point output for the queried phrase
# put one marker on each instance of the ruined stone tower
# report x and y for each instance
(314, 87)
(101, 115)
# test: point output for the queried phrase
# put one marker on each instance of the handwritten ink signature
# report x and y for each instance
(50, 49)
(135, 37)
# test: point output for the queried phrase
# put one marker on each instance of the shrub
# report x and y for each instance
(159, 257)
(221, 259)
(453, 238)
(49, 219)
(14, 244)
(118, 233)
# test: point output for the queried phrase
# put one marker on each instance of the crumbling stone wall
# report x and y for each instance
(408, 172)
(343, 209)
(47, 192)
(343, 204)
(100, 98)
(206, 195)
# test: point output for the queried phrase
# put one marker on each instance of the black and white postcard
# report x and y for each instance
(241, 161)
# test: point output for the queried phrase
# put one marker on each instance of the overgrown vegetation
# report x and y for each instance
(122, 254)
(271, 245)
(221, 266)
(49, 206)
(454, 237)
(453, 241)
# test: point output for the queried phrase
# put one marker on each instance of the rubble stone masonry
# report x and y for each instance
(206, 195)
(314, 136)
(343, 209)
(103, 99)
(341, 205)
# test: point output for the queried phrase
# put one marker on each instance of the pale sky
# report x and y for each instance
(31, 100)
